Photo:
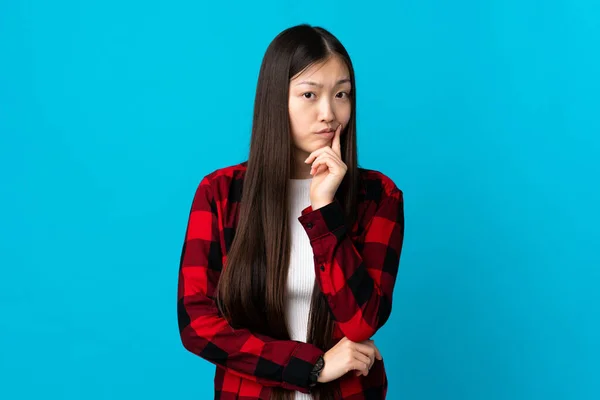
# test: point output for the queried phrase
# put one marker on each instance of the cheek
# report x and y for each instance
(297, 129)
(344, 113)
(300, 119)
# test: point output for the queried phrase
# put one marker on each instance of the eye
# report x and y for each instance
(304, 94)
(345, 93)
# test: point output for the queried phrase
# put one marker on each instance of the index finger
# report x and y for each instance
(377, 353)
(372, 344)
(366, 348)
(335, 142)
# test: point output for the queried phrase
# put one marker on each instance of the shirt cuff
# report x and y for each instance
(323, 220)
(296, 375)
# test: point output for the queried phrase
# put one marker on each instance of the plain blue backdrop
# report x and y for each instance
(485, 113)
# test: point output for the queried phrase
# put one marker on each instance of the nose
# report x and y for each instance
(326, 112)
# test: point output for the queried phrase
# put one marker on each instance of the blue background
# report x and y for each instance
(485, 113)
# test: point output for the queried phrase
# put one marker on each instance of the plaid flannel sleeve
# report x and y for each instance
(358, 284)
(206, 333)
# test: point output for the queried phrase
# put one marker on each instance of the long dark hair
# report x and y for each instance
(251, 290)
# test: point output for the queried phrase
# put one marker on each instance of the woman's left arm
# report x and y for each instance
(358, 285)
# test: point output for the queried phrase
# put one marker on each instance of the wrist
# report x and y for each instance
(316, 204)
(315, 373)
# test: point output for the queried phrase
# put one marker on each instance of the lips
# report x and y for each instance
(328, 134)
(326, 130)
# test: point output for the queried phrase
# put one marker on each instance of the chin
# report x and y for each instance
(310, 146)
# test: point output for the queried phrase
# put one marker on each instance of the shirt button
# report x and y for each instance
(309, 225)
(322, 268)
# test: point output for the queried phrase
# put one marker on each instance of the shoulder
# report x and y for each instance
(377, 185)
(227, 172)
(374, 184)
(225, 179)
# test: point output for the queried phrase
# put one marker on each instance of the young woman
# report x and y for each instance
(290, 258)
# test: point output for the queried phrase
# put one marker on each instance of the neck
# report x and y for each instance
(301, 169)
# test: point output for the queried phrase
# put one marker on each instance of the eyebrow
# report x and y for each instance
(321, 85)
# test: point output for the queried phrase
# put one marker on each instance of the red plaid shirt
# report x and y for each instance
(355, 270)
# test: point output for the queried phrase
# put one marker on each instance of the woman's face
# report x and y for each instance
(319, 99)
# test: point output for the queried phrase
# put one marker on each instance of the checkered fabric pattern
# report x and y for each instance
(355, 269)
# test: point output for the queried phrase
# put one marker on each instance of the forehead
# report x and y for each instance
(328, 71)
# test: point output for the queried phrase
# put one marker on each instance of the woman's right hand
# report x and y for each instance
(346, 356)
